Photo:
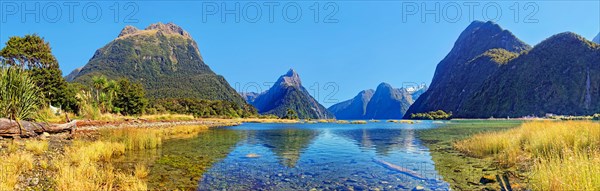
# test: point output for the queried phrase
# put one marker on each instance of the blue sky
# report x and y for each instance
(362, 44)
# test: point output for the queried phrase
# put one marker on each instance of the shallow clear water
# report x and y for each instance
(384, 156)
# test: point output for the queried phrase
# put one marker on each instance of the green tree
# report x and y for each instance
(130, 99)
(33, 53)
(291, 114)
(54, 88)
(18, 95)
(30, 51)
(99, 83)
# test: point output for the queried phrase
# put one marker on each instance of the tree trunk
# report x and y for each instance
(31, 129)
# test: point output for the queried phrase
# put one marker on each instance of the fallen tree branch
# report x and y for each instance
(9, 128)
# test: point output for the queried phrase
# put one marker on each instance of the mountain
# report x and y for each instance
(384, 103)
(560, 75)
(165, 59)
(355, 108)
(73, 74)
(597, 39)
(388, 103)
(478, 53)
(288, 93)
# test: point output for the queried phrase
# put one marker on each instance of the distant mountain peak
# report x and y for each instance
(597, 39)
(384, 85)
(288, 94)
(159, 28)
(291, 78)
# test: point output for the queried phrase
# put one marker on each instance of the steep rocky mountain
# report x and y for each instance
(597, 39)
(560, 75)
(288, 93)
(165, 59)
(388, 103)
(73, 74)
(355, 108)
(478, 53)
(384, 103)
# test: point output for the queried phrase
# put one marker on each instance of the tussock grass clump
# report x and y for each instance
(564, 155)
(149, 138)
(83, 152)
(141, 171)
(13, 165)
(85, 166)
(36, 146)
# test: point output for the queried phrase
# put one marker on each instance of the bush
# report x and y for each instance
(432, 115)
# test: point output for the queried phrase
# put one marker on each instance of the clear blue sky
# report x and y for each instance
(371, 42)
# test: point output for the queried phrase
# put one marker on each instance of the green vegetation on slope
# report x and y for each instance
(432, 115)
(167, 64)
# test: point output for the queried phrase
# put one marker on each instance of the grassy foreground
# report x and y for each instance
(461, 171)
(559, 155)
(536, 155)
(84, 163)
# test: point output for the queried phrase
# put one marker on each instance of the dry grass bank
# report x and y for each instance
(561, 155)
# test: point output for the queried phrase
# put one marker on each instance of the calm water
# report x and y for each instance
(384, 156)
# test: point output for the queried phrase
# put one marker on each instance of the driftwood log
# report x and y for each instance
(9, 128)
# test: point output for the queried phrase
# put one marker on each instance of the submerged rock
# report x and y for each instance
(252, 155)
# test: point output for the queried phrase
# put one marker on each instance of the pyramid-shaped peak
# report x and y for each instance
(291, 78)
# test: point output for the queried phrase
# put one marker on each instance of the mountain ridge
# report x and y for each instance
(288, 93)
(466, 66)
(385, 102)
(164, 59)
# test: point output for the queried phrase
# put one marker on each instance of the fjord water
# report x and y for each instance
(324, 156)
(386, 156)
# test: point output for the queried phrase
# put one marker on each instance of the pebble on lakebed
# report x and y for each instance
(252, 155)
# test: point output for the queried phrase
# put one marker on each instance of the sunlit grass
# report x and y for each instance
(565, 155)
(13, 165)
(85, 167)
(36, 146)
(134, 138)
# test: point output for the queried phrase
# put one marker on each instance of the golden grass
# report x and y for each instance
(342, 122)
(358, 122)
(564, 155)
(36, 146)
(13, 165)
(134, 138)
(83, 152)
(84, 167)
(258, 120)
(141, 171)
(168, 117)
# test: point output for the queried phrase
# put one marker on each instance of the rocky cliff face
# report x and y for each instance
(477, 53)
(165, 59)
(288, 93)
